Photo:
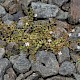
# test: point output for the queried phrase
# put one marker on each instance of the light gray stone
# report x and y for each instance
(2, 52)
(62, 15)
(43, 10)
(67, 68)
(64, 56)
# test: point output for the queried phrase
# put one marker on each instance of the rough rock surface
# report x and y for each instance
(20, 63)
(46, 64)
(67, 68)
(74, 11)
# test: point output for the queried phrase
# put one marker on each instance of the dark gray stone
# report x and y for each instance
(43, 10)
(18, 15)
(46, 64)
(20, 63)
(4, 65)
(2, 11)
(63, 55)
(2, 1)
(67, 68)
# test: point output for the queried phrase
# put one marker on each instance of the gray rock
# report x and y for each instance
(24, 4)
(64, 55)
(23, 76)
(67, 68)
(8, 22)
(34, 76)
(10, 74)
(40, 79)
(46, 64)
(77, 76)
(2, 52)
(4, 65)
(2, 11)
(56, 78)
(2, 1)
(60, 78)
(43, 10)
(66, 7)
(18, 15)
(58, 2)
(8, 17)
(75, 57)
(78, 66)
(20, 24)
(62, 15)
(20, 63)
(2, 43)
(70, 79)
(20, 77)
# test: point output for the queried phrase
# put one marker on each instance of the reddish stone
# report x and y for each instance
(75, 11)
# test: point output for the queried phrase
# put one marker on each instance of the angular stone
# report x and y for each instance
(7, 17)
(20, 63)
(18, 15)
(10, 74)
(62, 15)
(74, 11)
(78, 66)
(57, 78)
(75, 57)
(2, 52)
(60, 78)
(43, 10)
(2, 1)
(4, 65)
(77, 76)
(34, 76)
(2, 43)
(20, 77)
(7, 4)
(67, 68)
(64, 56)
(20, 24)
(23, 76)
(2, 11)
(13, 9)
(46, 63)
(58, 2)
